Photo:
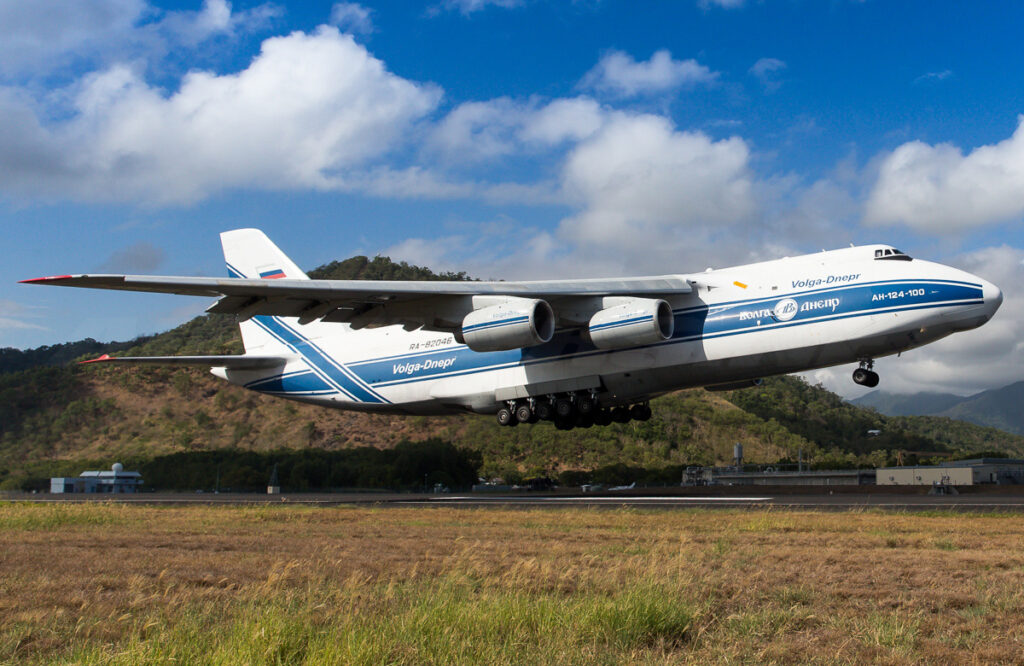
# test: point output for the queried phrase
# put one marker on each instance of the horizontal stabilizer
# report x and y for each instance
(237, 362)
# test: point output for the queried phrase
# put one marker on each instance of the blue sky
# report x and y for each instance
(510, 139)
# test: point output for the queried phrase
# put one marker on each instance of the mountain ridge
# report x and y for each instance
(996, 408)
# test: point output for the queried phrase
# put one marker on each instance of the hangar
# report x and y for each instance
(973, 472)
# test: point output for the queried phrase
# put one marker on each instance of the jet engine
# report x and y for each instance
(515, 323)
(637, 321)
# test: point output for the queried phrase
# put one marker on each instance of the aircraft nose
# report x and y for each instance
(993, 297)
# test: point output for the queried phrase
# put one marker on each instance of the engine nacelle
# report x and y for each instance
(518, 322)
(637, 321)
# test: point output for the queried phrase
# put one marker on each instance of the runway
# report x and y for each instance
(999, 499)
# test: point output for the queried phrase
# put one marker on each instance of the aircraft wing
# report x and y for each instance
(346, 300)
(238, 362)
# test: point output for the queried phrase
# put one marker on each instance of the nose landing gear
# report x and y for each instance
(864, 375)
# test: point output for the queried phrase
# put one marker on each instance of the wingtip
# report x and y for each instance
(48, 278)
(105, 357)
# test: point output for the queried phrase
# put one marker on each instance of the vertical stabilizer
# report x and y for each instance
(250, 254)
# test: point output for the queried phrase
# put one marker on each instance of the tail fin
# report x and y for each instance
(250, 254)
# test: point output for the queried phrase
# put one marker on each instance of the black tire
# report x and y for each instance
(523, 413)
(602, 417)
(564, 425)
(860, 376)
(620, 415)
(563, 408)
(584, 420)
(544, 411)
(505, 417)
(872, 380)
(585, 404)
(640, 412)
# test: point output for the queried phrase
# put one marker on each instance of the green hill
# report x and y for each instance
(58, 419)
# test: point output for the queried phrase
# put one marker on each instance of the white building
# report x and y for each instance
(955, 473)
(115, 481)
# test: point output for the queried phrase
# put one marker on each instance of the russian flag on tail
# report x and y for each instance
(273, 274)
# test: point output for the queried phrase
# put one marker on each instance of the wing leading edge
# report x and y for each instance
(231, 362)
(345, 300)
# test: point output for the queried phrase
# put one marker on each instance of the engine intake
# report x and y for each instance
(518, 322)
(638, 321)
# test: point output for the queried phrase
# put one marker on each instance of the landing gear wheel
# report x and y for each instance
(584, 420)
(872, 380)
(640, 412)
(620, 415)
(544, 411)
(585, 404)
(523, 413)
(602, 417)
(561, 424)
(563, 408)
(505, 417)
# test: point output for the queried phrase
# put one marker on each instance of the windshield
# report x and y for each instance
(892, 253)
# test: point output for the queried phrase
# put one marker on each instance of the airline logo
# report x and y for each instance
(272, 274)
(785, 310)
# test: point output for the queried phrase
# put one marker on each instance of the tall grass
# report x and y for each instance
(104, 584)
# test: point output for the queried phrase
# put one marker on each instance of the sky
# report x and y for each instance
(514, 139)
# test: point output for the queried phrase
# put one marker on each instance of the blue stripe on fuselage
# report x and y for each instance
(304, 382)
(694, 323)
(332, 371)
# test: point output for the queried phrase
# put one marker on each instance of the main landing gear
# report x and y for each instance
(569, 410)
(864, 375)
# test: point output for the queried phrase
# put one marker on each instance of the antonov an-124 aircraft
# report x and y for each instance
(575, 352)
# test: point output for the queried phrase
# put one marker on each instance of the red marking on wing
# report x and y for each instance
(44, 279)
(105, 357)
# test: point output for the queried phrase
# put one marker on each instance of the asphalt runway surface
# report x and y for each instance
(1000, 499)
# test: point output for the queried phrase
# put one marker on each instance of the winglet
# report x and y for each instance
(105, 357)
(44, 279)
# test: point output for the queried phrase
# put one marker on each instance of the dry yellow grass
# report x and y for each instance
(101, 583)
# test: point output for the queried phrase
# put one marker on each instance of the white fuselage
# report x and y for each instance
(739, 323)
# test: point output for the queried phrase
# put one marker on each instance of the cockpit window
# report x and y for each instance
(892, 253)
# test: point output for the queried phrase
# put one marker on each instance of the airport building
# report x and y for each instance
(1003, 471)
(114, 481)
(771, 477)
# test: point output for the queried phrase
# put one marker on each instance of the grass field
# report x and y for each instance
(110, 583)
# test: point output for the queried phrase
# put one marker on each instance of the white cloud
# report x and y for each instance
(563, 120)
(618, 74)
(308, 110)
(13, 315)
(477, 131)
(767, 70)
(648, 199)
(467, 7)
(638, 180)
(938, 188)
(42, 32)
(141, 257)
(934, 77)
(725, 4)
(39, 37)
(352, 17)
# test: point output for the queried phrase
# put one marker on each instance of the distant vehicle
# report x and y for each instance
(575, 352)
(629, 487)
